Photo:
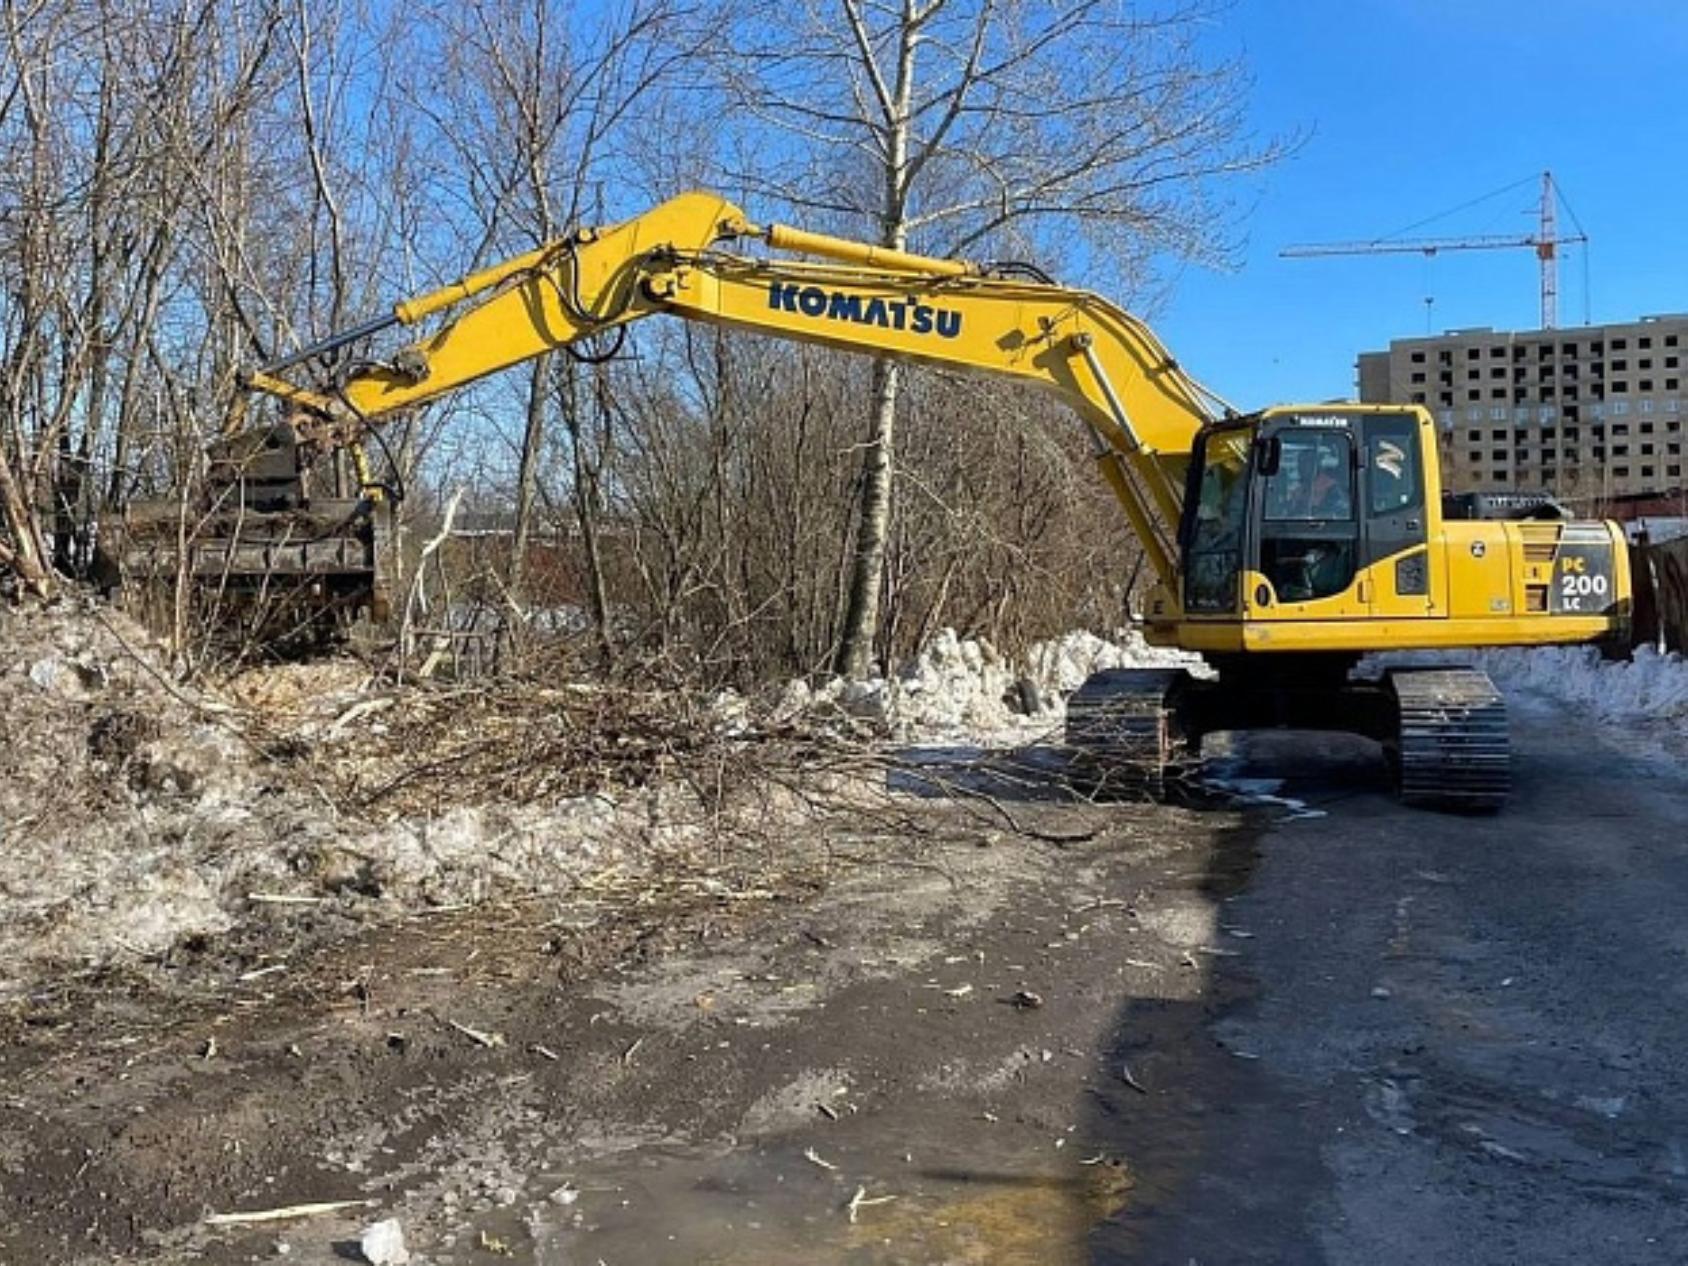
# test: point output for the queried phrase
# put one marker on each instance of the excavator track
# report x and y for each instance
(1122, 732)
(1451, 747)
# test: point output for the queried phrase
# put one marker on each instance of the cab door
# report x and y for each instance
(1394, 563)
(1307, 539)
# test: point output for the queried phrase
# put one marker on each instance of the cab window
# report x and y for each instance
(1314, 480)
(1215, 548)
(1223, 498)
(1393, 478)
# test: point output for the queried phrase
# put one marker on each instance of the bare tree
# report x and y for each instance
(1005, 126)
(541, 92)
(93, 209)
(187, 186)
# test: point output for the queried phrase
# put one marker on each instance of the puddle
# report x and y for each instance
(777, 1205)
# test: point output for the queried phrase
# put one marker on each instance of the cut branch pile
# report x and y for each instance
(523, 744)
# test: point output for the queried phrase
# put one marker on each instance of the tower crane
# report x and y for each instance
(1545, 241)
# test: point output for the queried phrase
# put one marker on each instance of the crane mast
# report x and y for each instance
(1547, 252)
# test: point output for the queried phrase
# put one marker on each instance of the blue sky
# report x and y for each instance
(1413, 107)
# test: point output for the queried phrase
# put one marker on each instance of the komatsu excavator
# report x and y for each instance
(1285, 544)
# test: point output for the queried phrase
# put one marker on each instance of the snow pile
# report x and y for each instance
(1060, 666)
(953, 684)
(1657, 528)
(136, 812)
(470, 852)
(958, 687)
(1652, 686)
(964, 687)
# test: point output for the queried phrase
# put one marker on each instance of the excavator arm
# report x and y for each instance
(267, 524)
(678, 259)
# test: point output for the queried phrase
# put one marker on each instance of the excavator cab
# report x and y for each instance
(1310, 514)
(1311, 536)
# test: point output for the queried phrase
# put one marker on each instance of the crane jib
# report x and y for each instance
(887, 314)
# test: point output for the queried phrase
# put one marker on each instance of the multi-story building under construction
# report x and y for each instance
(1588, 413)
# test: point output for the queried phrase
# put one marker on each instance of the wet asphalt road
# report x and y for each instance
(1418, 1038)
(1468, 1034)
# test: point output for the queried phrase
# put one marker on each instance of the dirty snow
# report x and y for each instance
(1651, 687)
(382, 1244)
(960, 688)
(136, 812)
(964, 689)
(1642, 703)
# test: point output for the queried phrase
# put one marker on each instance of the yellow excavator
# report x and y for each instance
(1285, 544)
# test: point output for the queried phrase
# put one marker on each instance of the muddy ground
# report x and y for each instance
(1150, 1035)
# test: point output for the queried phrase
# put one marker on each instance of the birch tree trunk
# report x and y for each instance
(873, 521)
(527, 473)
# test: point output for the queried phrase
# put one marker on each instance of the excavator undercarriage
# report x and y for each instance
(1443, 728)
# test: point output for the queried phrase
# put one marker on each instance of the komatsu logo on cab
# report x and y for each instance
(887, 314)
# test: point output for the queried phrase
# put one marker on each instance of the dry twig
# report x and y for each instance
(861, 1201)
(285, 1212)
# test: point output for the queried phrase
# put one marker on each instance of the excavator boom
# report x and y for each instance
(675, 260)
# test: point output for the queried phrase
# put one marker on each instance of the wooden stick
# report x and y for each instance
(488, 1040)
(286, 1211)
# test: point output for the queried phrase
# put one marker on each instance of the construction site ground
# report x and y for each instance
(1317, 1028)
